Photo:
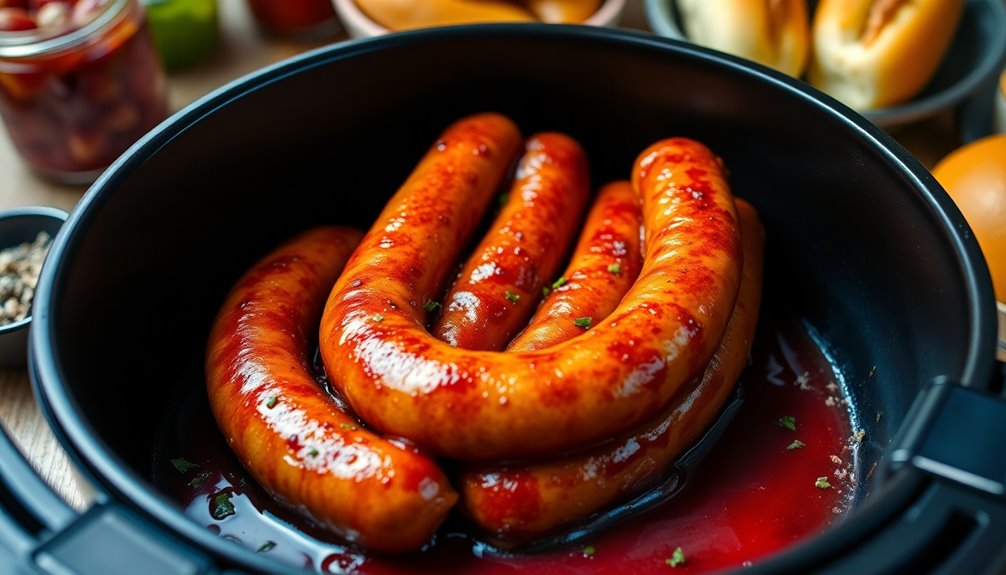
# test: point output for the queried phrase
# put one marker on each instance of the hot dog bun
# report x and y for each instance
(876, 53)
(771, 32)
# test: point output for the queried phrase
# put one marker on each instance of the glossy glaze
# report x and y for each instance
(518, 502)
(751, 497)
(474, 405)
(500, 283)
(604, 265)
(295, 440)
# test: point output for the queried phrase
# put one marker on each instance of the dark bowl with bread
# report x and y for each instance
(863, 248)
(922, 65)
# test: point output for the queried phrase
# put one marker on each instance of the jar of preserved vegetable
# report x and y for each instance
(79, 83)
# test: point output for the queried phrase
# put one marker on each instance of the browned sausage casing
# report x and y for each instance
(521, 501)
(287, 432)
(482, 405)
(500, 283)
(604, 266)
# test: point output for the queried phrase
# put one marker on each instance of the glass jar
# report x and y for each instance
(295, 16)
(76, 93)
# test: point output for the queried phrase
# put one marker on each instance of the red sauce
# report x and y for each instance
(750, 498)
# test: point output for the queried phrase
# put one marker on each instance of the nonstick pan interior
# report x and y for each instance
(862, 244)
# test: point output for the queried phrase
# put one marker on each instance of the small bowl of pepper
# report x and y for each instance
(25, 237)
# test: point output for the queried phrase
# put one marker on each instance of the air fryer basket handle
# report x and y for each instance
(39, 532)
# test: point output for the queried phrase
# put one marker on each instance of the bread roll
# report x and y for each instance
(877, 53)
(408, 14)
(770, 32)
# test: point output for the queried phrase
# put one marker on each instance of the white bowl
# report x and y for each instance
(359, 25)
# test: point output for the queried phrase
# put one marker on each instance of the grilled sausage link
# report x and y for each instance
(516, 502)
(604, 266)
(499, 284)
(481, 405)
(289, 434)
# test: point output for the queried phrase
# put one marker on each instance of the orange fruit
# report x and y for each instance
(975, 177)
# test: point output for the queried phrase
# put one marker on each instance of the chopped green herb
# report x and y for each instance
(822, 483)
(797, 444)
(677, 558)
(183, 465)
(431, 306)
(514, 297)
(787, 422)
(545, 291)
(504, 198)
(559, 282)
(271, 402)
(313, 452)
(378, 317)
(589, 551)
(583, 322)
(348, 426)
(199, 479)
(222, 506)
(615, 269)
(266, 547)
(242, 482)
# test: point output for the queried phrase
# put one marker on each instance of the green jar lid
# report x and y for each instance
(184, 31)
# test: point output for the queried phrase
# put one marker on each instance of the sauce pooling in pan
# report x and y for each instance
(785, 469)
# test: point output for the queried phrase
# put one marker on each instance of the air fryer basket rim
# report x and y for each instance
(120, 483)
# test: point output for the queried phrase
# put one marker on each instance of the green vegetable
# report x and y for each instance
(589, 550)
(222, 506)
(378, 317)
(313, 452)
(797, 444)
(504, 198)
(822, 483)
(787, 422)
(199, 479)
(514, 297)
(183, 465)
(266, 547)
(615, 269)
(559, 282)
(583, 322)
(677, 558)
(348, 426)
(545, 291)
(431, 306)
(271, 402)
(184, 31)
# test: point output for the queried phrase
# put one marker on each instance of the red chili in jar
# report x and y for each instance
(79, 83)
(291, 16)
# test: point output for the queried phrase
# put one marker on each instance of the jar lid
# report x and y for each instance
(28, 43)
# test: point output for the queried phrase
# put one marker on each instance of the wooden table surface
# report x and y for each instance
(242, 49)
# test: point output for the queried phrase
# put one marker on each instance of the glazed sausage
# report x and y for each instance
(501, 281)
(521, 501)
(481, 405)
(604, 266)
(287, 432)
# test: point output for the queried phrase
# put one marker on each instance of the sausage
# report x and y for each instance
(290, 435)
(604, 266)
(484, 405)
(519, 501)
(500, 283)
